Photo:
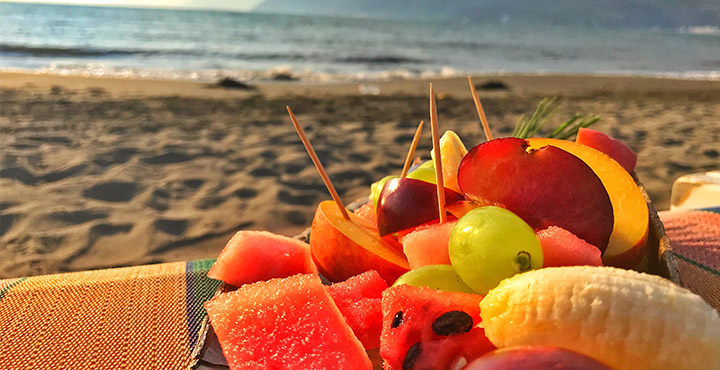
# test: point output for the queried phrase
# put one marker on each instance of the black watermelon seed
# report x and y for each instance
(397, 320)
(453, 322)
(412, 356)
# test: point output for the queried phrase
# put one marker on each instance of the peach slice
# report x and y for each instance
(545, 187)
(630, 229)
(343, 248)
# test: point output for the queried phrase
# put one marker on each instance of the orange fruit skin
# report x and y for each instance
(630, 229)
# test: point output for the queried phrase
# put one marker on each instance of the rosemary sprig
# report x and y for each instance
(529, 127)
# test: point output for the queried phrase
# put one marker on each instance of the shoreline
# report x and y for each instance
(106, 172)
(547, 83)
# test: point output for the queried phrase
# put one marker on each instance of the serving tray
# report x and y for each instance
(208, 353)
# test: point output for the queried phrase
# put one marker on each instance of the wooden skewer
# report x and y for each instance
(318, 165)
(480, 111)
(438, 161)
(411, 152)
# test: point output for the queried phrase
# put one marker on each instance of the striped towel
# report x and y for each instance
(695, 243)
(144, 317)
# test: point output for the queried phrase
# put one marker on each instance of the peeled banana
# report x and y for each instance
(623, 318)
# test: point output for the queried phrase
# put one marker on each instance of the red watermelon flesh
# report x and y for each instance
(428, 244)
(614, 148)
(252, 256)
(367, 213)
(358, 299)
(426, 328)
(563, 248)
(289, 323)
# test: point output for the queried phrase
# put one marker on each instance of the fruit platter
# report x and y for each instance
(522, 250)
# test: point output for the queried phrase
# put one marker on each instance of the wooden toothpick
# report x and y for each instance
(411, 152)
(438, 161)
(480, 111)
(318, 165)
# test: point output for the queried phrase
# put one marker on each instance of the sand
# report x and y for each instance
(102, 172)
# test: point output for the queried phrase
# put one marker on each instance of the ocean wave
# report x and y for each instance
(87, 53)
(380, 59)
(306, 75)
(75, 52)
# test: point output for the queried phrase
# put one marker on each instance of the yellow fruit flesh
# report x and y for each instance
(623, 318)
(452, 152)
(629, 207)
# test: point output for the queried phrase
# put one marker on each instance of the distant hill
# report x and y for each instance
(616, 13)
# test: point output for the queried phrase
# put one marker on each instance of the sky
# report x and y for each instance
(236, 5)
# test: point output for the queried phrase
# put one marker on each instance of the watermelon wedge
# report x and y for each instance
(562, 248)
(289, 323)
(428, 244)
(358, 299)
(424, 328)
(252, 256)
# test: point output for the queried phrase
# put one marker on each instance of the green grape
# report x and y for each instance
(424, 172)
(376, 189)
(490, 244)
(440, 277)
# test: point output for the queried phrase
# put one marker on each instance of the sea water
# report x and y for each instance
(207, 45)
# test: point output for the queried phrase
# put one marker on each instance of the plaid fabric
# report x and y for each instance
(145, 317)
(695, 243)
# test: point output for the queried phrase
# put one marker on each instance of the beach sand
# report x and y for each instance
(102, 172)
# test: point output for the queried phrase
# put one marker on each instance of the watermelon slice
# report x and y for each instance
(367, 213)
(430, 329)
(252, 256)
(614, 148)
(289, 323)
(358, 299)
(563, 248)
(428, 244)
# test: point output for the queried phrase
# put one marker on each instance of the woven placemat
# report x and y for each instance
(126, 318)
(695, 245)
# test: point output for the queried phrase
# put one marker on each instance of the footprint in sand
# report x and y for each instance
(161, 198)
(292, 168)
(49, 243)
(296, 217)
(63, 174)
(303, 199)
(6, 222)
(170, 226)
(112, 191)
(116, 156)
(245, 193)
(78, 217)
(263, 172)
(167, 158)
(211, 201)
(20, 174)
(106, 229)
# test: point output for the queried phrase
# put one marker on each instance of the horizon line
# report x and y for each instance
(151, 7)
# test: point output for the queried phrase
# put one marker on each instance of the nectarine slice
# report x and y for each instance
(614, 148)
(343, 248)
(545, 186)
(630, 230)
